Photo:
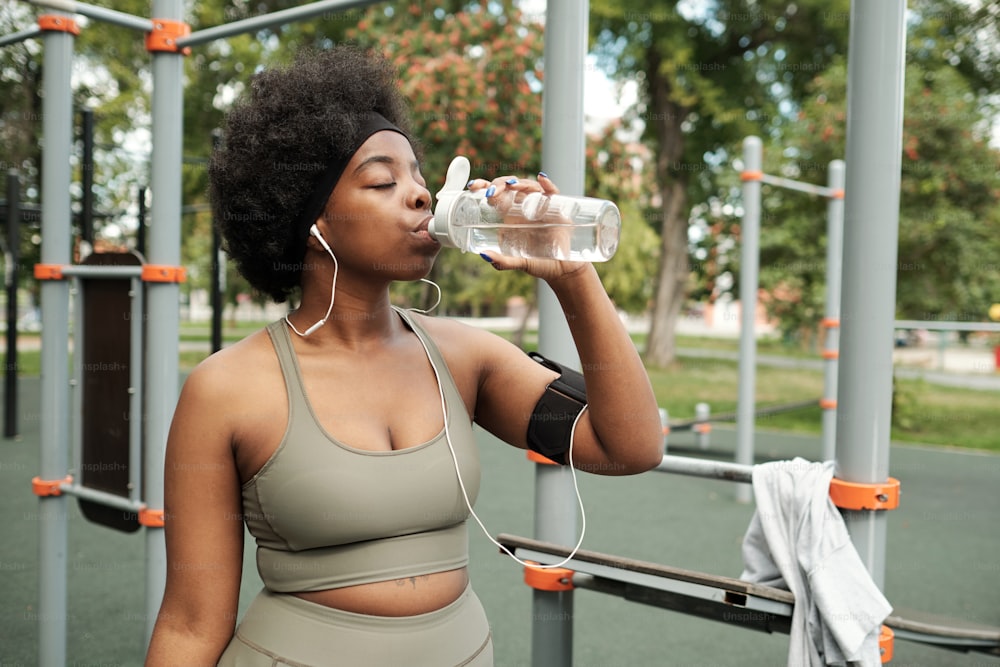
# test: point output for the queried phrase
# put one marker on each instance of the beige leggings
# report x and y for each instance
(283, 630)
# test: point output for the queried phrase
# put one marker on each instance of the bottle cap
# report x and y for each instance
(454, 185)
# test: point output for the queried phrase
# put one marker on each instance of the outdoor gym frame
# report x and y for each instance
(168, 39)
(874, 135)
(867, 298)
(752, 177)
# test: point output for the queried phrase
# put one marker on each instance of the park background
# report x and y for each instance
(691, 80)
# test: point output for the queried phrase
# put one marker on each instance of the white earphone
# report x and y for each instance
(314, 230)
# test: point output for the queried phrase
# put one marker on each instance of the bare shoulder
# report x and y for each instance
(483, 355)
(464, 345)
(233, 366)
(451, 331)
(227, 385)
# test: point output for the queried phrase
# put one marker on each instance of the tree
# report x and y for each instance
(950, 185)
(688, 64)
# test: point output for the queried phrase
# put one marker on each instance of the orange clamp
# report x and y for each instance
(859, 496)
(830, 323)
(548, 578)
(162, 273)
(48, 272)
(837, 194)
(164, 36)
(49, 487)
(750, 175)
(150, 518)
(828, 403)
(54, 23)
(538, 458)
(666, 430)
(702, 427)
(830, 355)
(886, 639)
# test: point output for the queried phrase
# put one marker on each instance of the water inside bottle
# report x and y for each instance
(547, 234)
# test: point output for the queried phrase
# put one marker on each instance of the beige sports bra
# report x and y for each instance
(326, 515)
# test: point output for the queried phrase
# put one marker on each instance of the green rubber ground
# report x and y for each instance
(943, 557)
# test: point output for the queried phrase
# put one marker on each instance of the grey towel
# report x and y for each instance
(797, 541)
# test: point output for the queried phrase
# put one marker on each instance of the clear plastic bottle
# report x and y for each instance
(519, 224)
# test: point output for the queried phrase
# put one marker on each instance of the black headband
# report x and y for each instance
(373, 122)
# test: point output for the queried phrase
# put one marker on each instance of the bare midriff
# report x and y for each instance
(397, 597)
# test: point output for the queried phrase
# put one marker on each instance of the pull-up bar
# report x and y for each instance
(104, 14)
(250, 24)
(752, 177)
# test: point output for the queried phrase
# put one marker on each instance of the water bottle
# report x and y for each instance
(520, 224)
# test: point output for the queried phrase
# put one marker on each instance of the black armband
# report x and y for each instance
(550, 430)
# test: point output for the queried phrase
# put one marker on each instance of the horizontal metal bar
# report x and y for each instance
(808, 188)
(679, 587)
(934, 325)
(21, 36)
(78, 271)
(102, 497)
(271, 20)
(99, 13)
(954, 643)
(683, 465)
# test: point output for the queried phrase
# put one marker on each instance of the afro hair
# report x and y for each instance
(277, 144)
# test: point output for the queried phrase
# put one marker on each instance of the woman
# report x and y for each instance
(342, 433)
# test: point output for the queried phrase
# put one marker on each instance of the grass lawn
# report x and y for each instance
(927, 413)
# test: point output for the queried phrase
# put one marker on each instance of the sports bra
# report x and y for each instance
(326, 515)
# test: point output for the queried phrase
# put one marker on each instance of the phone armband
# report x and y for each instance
(550, 430)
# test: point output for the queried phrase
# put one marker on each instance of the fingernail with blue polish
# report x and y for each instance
(543, 174)
(490, 191)
(511, 181)
(469, 184)
(486, 257)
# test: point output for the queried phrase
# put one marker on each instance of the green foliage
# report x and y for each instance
(949, 214)
(707, 76)
(950, 185)
(616, 170)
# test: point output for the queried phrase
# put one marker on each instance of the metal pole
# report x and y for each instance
(798, 186)
(871, 229)
(140, 232)
(218, 269)
(702, 413)
(10, 273)
(100, 13)
(753, 160)
(271, 20)
(162, 375)
(563, 158)
(57, 128)
(831, 343)
(721, 470)
(20, 36)
(87, 176)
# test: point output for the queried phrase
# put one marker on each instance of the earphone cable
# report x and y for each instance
(465, 494)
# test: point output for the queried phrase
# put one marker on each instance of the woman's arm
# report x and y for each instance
(620, 432)
(621, 429)
(204, 528)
